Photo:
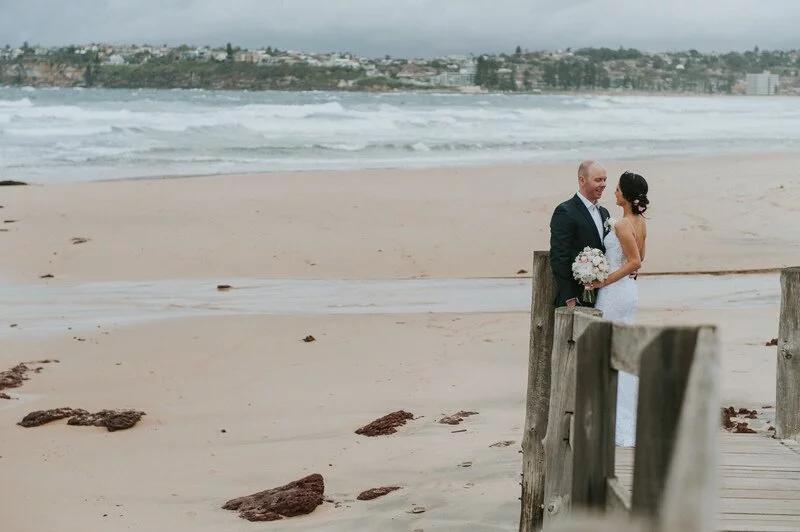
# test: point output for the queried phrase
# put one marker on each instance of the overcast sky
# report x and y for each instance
(409, 27)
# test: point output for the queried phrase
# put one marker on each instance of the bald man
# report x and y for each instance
(577, 223)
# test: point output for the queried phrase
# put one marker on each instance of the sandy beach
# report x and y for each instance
(237, 404)
(726, 213)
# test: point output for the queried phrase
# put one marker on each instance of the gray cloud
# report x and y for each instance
(408, 27)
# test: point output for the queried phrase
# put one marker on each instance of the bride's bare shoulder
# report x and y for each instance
(623, 225)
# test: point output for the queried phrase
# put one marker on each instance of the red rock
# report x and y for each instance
(41, 417)
(386, 425)
(742, 428)
(300, 497)
(456, 418)
(14, 377)
(110, 419)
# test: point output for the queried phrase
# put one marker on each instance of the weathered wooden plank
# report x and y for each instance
(758, 473)
(537, 407)
(557, 445)
(742, 482)
(756, 525)
(594, 418)
(787, 405)
(582, 322)
(593, 522)
(691, 488)
(764, 518)
(762, 506)
(627, 344)
(762, 462)
(767, 490)
(664, 374)
(618, 497)
(619, 523)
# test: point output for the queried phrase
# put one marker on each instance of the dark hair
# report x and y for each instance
(634, 189)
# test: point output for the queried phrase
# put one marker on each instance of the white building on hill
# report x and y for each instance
(764, 84)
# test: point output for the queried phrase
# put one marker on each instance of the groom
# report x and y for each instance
(577, 223)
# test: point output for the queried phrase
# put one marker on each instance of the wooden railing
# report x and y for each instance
(568, 445)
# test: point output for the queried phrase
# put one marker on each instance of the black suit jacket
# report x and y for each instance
(571, 230)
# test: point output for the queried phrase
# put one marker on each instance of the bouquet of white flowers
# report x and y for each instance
(590, 265)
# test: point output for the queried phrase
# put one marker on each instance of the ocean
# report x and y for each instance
(65, 135)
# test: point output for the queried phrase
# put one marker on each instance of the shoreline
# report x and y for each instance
(471, 165)
(47, 309)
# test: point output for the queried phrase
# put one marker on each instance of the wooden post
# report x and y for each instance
(663, 377)
(537, 406)
(690, 499)
(557, 444)
(599, 522)
(595, 414)
(787, 406)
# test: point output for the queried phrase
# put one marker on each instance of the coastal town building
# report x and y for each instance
(764, 84)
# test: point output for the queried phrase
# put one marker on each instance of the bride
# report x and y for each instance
(617, 297)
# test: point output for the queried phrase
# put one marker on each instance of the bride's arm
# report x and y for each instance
(627, 239)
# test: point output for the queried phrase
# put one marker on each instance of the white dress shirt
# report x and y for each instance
(594, 210)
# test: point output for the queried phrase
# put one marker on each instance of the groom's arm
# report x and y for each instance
(562, 232)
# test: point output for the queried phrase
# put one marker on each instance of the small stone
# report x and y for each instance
(374, 493)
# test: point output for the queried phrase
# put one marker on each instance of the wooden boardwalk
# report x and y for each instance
(759, 483)
(689, 475)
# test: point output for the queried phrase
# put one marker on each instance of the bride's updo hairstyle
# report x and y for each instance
(634, 189)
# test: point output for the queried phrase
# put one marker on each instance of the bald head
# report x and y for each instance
(592, 178)
(589, 166)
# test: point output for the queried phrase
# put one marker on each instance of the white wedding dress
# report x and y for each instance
(618, 303)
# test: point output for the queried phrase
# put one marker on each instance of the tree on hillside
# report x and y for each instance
(229, 52)
(526, 80)
(550, 76)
